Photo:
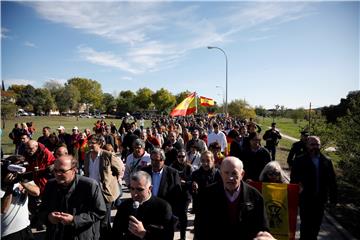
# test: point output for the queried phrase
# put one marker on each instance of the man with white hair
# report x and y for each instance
(231, 209)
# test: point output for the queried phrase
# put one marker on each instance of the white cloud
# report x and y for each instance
(127, 78)
(4, 32)
(105, 59)
(156, 35)
(19, 81)
(30, 44)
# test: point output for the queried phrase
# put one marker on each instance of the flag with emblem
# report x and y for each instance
(207, 102)
(186, 107)
(281, 204)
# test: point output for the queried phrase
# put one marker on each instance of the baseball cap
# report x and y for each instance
(75, 128)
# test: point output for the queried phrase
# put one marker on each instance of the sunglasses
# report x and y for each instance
(181, 156)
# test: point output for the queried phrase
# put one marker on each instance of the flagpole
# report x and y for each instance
(196, 105)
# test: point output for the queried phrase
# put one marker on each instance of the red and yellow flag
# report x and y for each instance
(207, 102)
(186, 107)
(281, 203)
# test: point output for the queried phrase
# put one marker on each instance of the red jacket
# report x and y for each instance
(41, 159)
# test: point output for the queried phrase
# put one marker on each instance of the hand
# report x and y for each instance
(10, 178)
(66, 218)
(54, 217)
(264, 236)
(136, 227)
(195, 187)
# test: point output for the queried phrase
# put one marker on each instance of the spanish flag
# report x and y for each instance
(281, 203)
(207, 102)
(186, 107)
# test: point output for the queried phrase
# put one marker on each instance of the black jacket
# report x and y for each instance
(170, 185)
(214, 217)
(298, 148)
(304, 172)
(155, 214)
(83, 200)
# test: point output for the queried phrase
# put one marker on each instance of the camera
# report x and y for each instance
(18, 168)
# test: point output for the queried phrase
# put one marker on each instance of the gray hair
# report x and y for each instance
(271, 167)
(235, 161)
(139, 142)
(160, 152)
(138, 175)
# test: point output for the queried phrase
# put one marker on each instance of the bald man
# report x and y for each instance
(231, 209)
(40, 160)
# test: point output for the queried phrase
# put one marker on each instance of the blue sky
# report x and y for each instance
(286, 53)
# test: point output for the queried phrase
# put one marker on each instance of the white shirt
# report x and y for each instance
(17, 216)
(94, 168)
(131, 162)
(218, 137)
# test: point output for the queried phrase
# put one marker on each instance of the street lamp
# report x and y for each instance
(226, 76)
(223, 99)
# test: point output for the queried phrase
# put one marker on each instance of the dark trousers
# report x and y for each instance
(182, 215)
(105, 224)
(272, 150)
(24, 234)
(311, 215)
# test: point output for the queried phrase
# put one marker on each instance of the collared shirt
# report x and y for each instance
(156, 177)
(94, 167)
(218, 137)
(316, 161)
(234, 196)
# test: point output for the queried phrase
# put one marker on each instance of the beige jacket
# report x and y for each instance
(111, 168)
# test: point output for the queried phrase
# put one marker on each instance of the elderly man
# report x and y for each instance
(315, 174)
(40, 161)
(72, 205)
(231, 209)
(137, 160)
(144, 216)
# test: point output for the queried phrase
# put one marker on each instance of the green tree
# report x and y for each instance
(241, 109)
(260, 111)
(108, 103)
(68, 98)
(90, 91)
(297, 114)
(163, 100)
(24, 96)
(44, 101)
(348, 141)
(8, 107)
(181, 96)
(143, 98)
(125, 101)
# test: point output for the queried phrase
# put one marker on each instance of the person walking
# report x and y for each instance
(315, 174)
(72, 205)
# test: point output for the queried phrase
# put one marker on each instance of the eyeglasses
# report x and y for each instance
(137, 189)
(62, 171)
(181, 156)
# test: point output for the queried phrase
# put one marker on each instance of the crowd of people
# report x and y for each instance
(73, 181)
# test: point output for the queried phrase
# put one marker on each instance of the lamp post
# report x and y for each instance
(226, 77)
(223, 99)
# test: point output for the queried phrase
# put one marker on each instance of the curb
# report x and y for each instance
(338, 227)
